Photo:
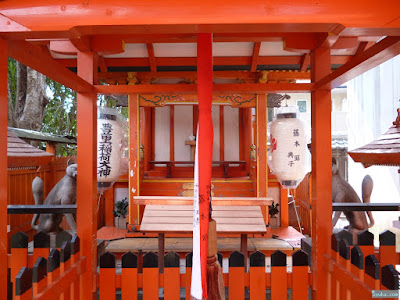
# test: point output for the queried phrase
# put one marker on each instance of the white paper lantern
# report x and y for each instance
(289, 157)
(109, 143)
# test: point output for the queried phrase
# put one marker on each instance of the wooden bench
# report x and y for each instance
(170, 164)
(234, 215)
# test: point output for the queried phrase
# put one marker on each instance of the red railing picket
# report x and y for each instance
(23, 284)
(188, 277)
(300, 275)
(53, 266)
(171, 276)
(236, 276)
(357, 262)
(278, 276)
(75, 255)
(39, 280)
(150, 276)
(335, 285)
(19, 254)
(257, 276)
(387, 249)
(129, 273)
(107, 282)
(390, 278)
(41, 245)
(344, 260)
(372, 272)
(366, 242)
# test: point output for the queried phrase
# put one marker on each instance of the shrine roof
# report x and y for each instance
(383, 151)
(64, 15)
(156, 37)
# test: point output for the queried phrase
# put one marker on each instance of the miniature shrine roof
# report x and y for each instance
(383, 151)
(21, 154)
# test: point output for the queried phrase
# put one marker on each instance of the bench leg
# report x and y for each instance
(243, 249)
(226, 166)
(161, 251)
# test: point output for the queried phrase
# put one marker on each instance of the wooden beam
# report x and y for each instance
(145, 89)
(305, 61)
(239, 76)
(263, 87)
(345, 42)
(34, 57)
(361, 48)
(82, 43)
(218, 61)
(301, 43)
(382, 51)
(256, 52)
(3, 167)
(87, 170)
(107, 45)
(192, 88)
(152, 58)
(9, 25)
(102, 64)
(63, 47)
(321, 150)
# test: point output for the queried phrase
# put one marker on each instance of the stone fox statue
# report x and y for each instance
(64, 192)
(342, 192)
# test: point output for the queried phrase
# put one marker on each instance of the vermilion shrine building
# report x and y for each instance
(149, 51)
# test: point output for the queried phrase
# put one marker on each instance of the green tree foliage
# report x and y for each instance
(12, 79)
(60, 114)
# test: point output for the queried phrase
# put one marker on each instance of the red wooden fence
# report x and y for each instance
(356, 271)
(255, 283)
(55, 277)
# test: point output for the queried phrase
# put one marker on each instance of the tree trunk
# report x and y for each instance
(31, 100)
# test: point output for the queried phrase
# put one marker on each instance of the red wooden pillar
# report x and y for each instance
(284, 207)
(262, 166)
(321, 171)
(3, 167)
(134, 146)
(247, 136)
(87, 177)
(204, 142)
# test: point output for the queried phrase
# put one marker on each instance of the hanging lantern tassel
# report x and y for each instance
(215, 281)
(289, 157)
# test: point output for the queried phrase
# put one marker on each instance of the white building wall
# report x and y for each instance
(183, 128)
(231, 133)
(373, 99)
(162, 129)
